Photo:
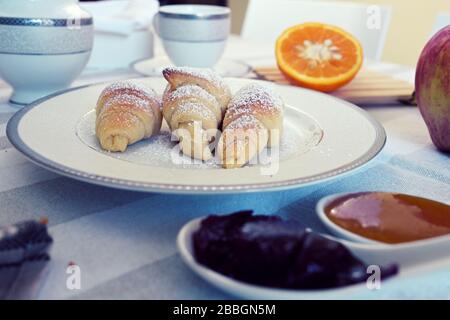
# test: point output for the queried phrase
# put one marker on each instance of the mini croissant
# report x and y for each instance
(253, 120)
(193, 103)
(126, 113)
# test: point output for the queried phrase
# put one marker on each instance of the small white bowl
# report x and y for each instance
(193, 35)
(194, 54)
(242, 289)
(372, 251)
(35, 76)
(412, 258)
(39, 56)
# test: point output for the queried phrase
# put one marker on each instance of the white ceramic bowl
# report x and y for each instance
(195, 54)
(35, 76)
(413, 258)
(247, 290)
(372, 251)
(193, 35)
(39, 56)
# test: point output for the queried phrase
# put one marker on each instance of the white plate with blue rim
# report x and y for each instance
(324, 137)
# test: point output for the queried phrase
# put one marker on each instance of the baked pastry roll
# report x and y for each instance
(193, 106)
(253, 121)
(126, 112)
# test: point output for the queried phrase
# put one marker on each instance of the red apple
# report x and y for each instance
(433, 87)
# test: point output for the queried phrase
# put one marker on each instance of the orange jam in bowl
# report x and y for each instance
(390, 217)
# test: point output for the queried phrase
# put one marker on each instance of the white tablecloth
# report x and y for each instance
(124, 242)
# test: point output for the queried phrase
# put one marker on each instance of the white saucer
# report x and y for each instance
(225, 67)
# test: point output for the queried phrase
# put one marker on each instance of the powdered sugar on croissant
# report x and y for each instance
(193, 103)
(253, 120)
(126, 112)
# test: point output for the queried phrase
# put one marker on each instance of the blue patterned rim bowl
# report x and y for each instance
(45, 36)
(39, 56)
(192, 23)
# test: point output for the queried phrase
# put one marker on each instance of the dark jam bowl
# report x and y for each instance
(247, 290)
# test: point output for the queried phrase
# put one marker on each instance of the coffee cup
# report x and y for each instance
(193, 35)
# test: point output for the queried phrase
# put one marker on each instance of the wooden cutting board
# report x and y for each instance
(368, 87)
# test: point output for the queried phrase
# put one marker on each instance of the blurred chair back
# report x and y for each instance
(266, 19)
(442, 20)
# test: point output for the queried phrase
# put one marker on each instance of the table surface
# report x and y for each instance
(124, 242)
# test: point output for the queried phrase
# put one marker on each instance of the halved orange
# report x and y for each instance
(318, 56)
